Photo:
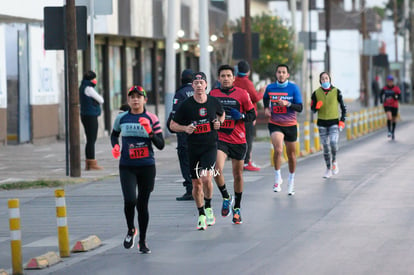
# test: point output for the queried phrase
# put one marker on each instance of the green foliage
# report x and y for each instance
(276, 45)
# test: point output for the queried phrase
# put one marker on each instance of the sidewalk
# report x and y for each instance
(28, 162)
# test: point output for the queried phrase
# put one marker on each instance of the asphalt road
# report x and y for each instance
(360, 221)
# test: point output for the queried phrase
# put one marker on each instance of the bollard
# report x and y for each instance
(365, 121)
(348, 127)
(371, 120)
(361, 123)
(355, 124)
(15, 236)
(306, 136)
(62, 224)
(316, 139)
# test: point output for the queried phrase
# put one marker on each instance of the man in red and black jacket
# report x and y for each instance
(232, 137)
(242, 81)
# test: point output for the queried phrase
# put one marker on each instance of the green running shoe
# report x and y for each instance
(210, 219)
(201, 224)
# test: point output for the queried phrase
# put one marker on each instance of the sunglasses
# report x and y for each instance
(137, 89)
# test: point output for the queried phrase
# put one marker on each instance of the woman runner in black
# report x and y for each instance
(140, 129)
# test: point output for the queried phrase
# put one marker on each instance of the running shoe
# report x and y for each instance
(130, 238)
(389, 134)
(291, 187)
(225, 208)
(335, 168)
(328, 173)
(237, 216)
(143, 248)
(251, 167)
(277, 187)
(210, 219)
(392, 136)
(201, 224)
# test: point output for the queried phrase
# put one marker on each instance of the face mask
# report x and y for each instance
(94, 81)
(326, 85)
(282, 85)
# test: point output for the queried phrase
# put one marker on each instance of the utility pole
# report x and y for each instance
(395, 29)
(169, 60)
(248, 34)
(72, 72)
(364, 58)
(411, 47)
(204, 39)
(305, 92)
(327, 31)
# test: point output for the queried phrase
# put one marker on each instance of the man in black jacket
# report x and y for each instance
(185, 91)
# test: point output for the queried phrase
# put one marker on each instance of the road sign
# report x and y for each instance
(101, 7)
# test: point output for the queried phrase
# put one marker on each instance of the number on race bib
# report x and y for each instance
(202, 128)
(279, 109)
(137, 153)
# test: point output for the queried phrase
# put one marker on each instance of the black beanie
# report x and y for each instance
(187, 76)
(243, 67)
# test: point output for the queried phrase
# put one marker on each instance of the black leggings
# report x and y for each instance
(144, 178)
(90, 124)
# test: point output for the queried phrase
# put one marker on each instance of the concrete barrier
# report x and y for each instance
(43, 261)
(87, 244)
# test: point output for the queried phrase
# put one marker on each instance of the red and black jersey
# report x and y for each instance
(233, 131)
(389, 96)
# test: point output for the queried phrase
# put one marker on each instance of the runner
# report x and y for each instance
(242, 81)
(140, 129)
(281, 101)
(389, 96)
(325, 101)
(200, 117)
(232, 138)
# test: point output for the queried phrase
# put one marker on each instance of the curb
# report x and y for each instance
(43, 261)
(87, 244)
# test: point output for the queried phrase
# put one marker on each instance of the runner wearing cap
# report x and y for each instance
(140, 129)
(232, 139)
(389, 96)
(200, 116)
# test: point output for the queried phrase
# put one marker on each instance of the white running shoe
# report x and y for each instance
(328, 173)
(335, 168)
(277, 187)
(291, 187)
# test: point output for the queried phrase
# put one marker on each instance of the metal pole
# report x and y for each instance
(92, 17)
(71, 37)
(204, 35)
(248, 34)
(170, 60)
(328, 31)
(310, 52)
(305, 92)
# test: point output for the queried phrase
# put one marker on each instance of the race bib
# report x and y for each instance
(279, 109)
(137, 153)
(202, 128)
(228, 124)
